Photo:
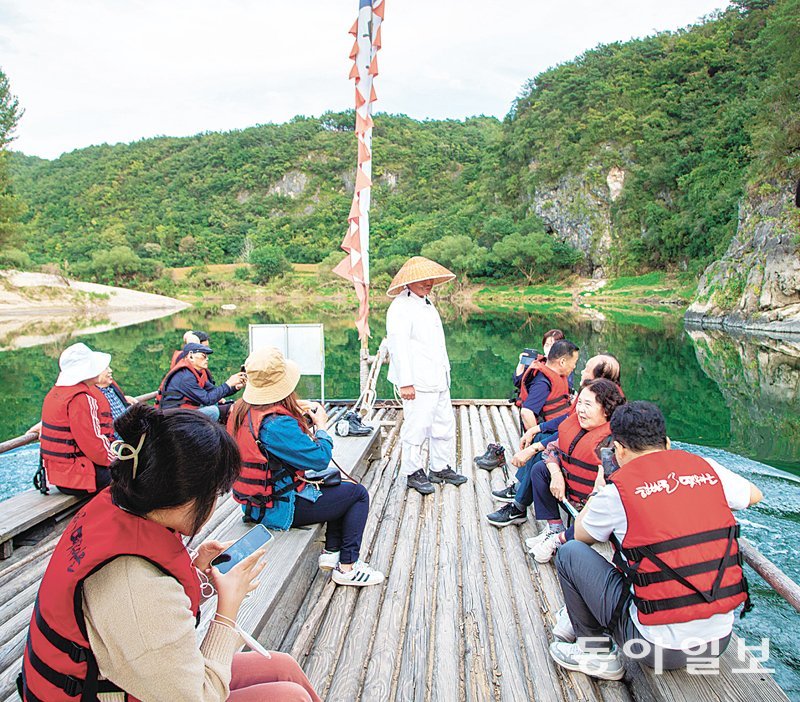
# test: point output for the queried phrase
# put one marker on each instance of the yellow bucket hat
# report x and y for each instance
(270, 377)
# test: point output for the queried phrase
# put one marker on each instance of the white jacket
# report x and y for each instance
(417, 350)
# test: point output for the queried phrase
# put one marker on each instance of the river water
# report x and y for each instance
(736, 399)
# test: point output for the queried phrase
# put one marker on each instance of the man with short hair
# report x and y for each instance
(187, 384)
(545, 393)
(678, 577)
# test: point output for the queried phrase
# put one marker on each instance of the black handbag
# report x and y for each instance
(328, 477)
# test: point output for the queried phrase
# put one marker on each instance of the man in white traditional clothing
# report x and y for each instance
(420, 369)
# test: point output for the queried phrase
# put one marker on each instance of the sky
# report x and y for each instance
(105, 71)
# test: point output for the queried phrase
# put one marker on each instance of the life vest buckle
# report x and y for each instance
(72, 686)
(77, 653)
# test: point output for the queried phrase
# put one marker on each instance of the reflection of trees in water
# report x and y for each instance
(658, 363)
(759, 377)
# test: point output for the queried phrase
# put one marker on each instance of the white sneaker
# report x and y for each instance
(604, 665)
(546, 548)
(328, 560)
(361, 575)
(531, 541)
(563, 630)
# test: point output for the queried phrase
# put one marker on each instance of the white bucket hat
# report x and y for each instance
(78, 363)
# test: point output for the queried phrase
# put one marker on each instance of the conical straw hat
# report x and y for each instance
(419, 268)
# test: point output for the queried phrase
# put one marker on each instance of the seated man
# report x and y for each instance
(604, 365)
(77, 428)
(677, 579)
(189, 337)
(187, 384)
(545, 391)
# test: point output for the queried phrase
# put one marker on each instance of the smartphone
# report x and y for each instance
(253, 540)
(608, 461)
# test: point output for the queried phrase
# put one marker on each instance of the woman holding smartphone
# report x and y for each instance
(116, 611)
(280, 438)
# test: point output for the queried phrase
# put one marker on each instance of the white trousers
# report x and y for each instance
(429, 416)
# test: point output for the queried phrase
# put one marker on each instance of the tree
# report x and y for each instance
(459, 253)
(529, 253)
(11, 208)
(268, 262)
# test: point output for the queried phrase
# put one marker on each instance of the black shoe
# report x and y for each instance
(494, 457)
(419, 481)
(351, 425)
(507, 514)
(507, 494)
(448, 475)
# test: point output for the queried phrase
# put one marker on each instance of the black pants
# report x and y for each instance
(102, 476)
(343, 508)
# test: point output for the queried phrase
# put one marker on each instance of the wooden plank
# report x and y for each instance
(480, 662)
(388, 636)
(328, 627)
(447, 684)
(415, 665)
(28, 508)
(357, 647)
(514, 676)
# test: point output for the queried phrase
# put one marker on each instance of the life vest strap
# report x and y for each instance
(635, 553)
(60, 454)
(47, 437)
(54, 427)
(77, 653)
(660, 576)
(22, 689)
(653, 606)
(72, 686)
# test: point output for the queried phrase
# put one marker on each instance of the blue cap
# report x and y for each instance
(196, 348)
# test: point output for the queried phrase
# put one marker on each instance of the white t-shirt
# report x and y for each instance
(605, 515)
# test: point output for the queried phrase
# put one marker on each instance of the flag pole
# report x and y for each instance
(355, 267)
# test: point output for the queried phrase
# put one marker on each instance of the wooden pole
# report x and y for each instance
(773, 576)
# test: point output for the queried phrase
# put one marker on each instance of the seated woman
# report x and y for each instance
(570, 467)
(576, 450)
(116, 610)
(533, 441)
(271, 427)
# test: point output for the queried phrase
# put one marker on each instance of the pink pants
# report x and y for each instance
(277, 679)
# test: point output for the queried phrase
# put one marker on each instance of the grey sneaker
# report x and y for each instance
(544, 551)
(419, 481)
(494, 457)
(533, 541)
(507, 514)
(507, 494)
(448, 475)
(563, 630)
(605, 665)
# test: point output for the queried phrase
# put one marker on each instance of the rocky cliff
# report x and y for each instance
(759, 377)
(756, 284)
(577, 209)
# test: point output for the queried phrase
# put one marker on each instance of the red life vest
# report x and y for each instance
(165, 400)
(557, 402)
(577, 449)
(175, 355)
(58, 665)
(255, 486)
(66, 465)
(681, 551)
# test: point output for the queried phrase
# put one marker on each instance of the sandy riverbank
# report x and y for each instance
(37, 308)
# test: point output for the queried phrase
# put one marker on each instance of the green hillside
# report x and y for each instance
(690, 116)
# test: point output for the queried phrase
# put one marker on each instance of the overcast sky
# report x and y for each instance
(94, 71)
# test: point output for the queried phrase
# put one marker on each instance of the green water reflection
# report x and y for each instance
(716, 391)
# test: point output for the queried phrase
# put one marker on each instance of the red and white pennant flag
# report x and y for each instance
(367, 32)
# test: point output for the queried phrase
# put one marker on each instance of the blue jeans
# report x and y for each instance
(343, 508)
(592, 588)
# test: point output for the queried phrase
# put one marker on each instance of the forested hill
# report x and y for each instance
(635, 155)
